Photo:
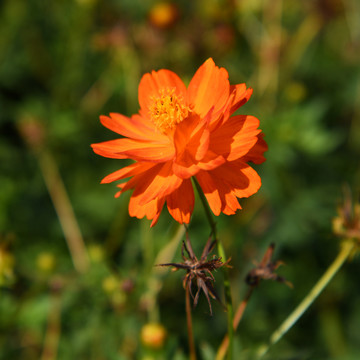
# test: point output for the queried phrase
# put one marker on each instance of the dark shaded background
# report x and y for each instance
(62, 64)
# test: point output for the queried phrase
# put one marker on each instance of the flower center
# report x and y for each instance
(168, 109)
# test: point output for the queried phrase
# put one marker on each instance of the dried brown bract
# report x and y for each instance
(347, 224)
(199, 270)
(266, 270)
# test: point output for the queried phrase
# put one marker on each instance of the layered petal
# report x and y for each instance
(135, 149)
(242, 95)
(191, 141)
(256, 153)
(185, 166)
(163, 183)
(210, 191)
(211, 161)
(209, 88)
(180, 203)
(151, 210)
(136, 127)
(241, 134)
(222, 185)
(131, 170)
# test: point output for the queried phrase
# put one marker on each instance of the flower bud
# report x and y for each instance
(163, 15)
(45, 261)
(153, 335)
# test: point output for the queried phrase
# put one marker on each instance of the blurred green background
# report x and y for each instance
(62, 64)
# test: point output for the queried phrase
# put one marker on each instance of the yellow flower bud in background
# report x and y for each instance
(295, 92)
(45, 261)
(96, 253)
(110, 284)
(153, 335)
(163, 15)
(6, 266)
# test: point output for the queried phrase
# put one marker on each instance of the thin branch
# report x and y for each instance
(346, 250)
(34, 135)
(64, 211)
(189, 325)
(237, 318)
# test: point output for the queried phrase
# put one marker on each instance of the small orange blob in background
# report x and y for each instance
(163, 15)
(153, 335)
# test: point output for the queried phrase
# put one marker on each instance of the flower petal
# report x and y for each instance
(242, 179)
(242, 95)
(162, 184)
(235, 137)
(136, 127)
(193, 136)
(209, 88)
(256, 153)
(135, 149)
(151, 210)
(159, 204)
(211, 161)
(185, 166)
(245, 139)
(210, 191)
(137, 207)
(180, 203)
(107, 150)
(231, 203)
(220, 186)
(191, 141)
(131, 170)
(184, 132)
(247, 183)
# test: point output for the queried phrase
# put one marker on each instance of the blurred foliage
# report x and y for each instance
(62, 64)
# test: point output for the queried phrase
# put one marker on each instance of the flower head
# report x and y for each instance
(183, 132)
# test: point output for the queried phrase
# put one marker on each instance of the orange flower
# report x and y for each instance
(184, 132)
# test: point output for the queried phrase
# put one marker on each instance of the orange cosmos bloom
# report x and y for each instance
(183, 132)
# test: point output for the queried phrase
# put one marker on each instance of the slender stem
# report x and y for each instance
(228, 302)
(155, 279)
(64, 211)
(345, 252)
(33, 134)
(237, 318)
(206, 208)
(53, 330)
(225, 270)
(189, 325)
(241, 308)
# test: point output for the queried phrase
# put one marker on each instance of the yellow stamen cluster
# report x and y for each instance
(168, 109)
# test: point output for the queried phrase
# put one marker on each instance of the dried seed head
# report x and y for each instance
(347, 223)
(265, 270)
(199, 270)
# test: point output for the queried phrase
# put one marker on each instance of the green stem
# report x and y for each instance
(345, 252)
(155, 279)
(222, 254)
(228, 301)
(206, 208)
(189, 325)
(220, 355)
